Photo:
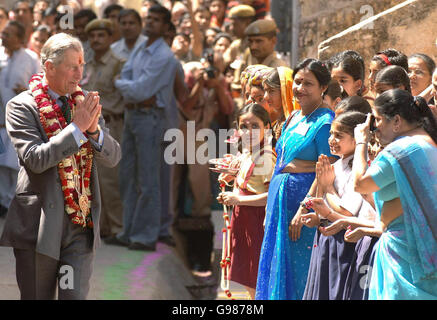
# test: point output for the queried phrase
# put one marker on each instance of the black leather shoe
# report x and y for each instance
(115, 241)
(142, 247)
(168, 240)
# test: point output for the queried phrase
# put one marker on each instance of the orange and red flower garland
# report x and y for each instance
(53, 121)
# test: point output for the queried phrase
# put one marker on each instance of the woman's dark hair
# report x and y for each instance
(347, 121)
(334, 90)
(260, 112)
(201, 8)
(412, 109)
(272, 80)
(429, 62)
(317, 67)
(215, 29)
(394, 76)
(350, 62)
(184, 35)
(43, 28)
(353, 103)
(185, 16)
(395, 57)
(51, 11)
(222, 35)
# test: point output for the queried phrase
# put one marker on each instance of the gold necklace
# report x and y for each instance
(321, 102)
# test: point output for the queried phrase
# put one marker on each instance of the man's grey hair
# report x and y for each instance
(55, 47)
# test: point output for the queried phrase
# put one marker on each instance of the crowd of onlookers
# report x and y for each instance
(306, 227)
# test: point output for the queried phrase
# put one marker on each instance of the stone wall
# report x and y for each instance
(409, 27)
(322, 19)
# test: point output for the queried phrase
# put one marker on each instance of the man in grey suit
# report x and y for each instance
(53, 220)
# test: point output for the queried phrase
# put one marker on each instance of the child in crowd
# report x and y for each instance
(333, 95)
(249, 197)
(392, 77)
(347, 68)
(335, 199)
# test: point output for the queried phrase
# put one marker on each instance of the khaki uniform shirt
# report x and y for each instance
(256, 179)
(271, 61)
(100, 76)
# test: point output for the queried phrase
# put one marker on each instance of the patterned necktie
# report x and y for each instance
(65, 108)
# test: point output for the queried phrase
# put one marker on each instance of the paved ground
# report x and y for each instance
(124, 274)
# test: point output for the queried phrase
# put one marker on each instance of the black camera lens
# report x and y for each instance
(210, 72)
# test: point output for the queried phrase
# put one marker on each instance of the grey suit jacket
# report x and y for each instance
(35, 216)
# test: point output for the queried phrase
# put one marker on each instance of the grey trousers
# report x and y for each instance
(38, 275)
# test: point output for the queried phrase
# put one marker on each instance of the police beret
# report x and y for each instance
(260, 27)
(242, 11)
(98, 24)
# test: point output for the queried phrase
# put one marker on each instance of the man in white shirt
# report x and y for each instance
(16, 68)
(130, 26)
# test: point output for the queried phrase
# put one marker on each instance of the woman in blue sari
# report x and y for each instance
(283, 266)
(403, 177)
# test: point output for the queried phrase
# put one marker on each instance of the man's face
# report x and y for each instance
(261, 46)
(210, 36)
(237, 27)
(217, 8)
(23, 13)
(221, 45)
(203, 18)
(155, 26)
(79, 27)
(113, 16)
(40, 6)
(37, 40)
(38, 10)
(64, 77)
(100, 40)
(130, 27)
(10, 38)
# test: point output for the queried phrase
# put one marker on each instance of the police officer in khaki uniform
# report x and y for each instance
(262, 37)
(241, 17)
(101, 70)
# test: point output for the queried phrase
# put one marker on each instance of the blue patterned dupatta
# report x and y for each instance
(282, 269)
(414, 163)
(405, 256)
